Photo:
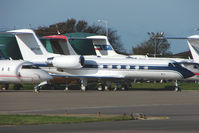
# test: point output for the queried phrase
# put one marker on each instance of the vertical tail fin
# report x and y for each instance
(102, 46)
(30, 46)
(63, 43)
(193, 43)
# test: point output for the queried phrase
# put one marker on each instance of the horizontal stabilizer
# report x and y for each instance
(194, 37)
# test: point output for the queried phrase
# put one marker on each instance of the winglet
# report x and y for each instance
(193, 43)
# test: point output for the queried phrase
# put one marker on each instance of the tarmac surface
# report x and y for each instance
(182, 108)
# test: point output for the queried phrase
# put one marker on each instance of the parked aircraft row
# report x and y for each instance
(99, 68)
(104, 49)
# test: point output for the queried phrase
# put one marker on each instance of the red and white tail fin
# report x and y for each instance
(102, 46)
(63, 43)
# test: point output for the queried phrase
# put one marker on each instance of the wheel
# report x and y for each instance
(17, 86)
(37, 89)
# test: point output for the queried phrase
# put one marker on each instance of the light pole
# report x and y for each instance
(155, 47)
(106, 23)
(196, 29)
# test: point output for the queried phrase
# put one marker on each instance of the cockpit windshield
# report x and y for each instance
(30, 67)
(196, 66)
(174, 65)
(177, 65)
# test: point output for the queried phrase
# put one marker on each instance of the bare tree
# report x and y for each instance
(81, 26)
(154, 46)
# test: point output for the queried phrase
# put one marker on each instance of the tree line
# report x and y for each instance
(151, 47)
(72, 25)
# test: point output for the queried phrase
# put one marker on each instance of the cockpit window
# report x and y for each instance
(30, 67)
(196, 66)
(174, 65)
(171, 65)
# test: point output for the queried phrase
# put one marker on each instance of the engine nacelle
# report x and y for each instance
(67, 62)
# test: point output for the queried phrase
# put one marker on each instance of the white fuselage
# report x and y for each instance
(12, 71)
(103, 48)
(126, 68)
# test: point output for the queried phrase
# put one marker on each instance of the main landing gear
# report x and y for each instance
(83, 84)
(177, 88)
(38, 87)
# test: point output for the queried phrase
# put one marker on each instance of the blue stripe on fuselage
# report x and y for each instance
(41, 64)
(185, 73)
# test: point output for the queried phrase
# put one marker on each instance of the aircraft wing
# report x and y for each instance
(89, 77)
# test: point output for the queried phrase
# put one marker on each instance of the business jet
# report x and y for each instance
(102, 69)
(19, 72)
(103, 48)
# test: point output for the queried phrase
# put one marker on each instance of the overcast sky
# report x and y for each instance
(131, 18)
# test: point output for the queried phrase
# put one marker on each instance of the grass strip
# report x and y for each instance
(42, 119)
(166, 86)
(143, 85)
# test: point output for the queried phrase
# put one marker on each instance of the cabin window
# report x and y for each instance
(105, 66)
(114, 66)
(123, 66)
(141, 67)
(8, 68)
(2, 68)
(132, 67)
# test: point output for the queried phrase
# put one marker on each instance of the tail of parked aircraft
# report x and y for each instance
(30, 46)
(62, 45)
(193, 43)
(102, 46)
